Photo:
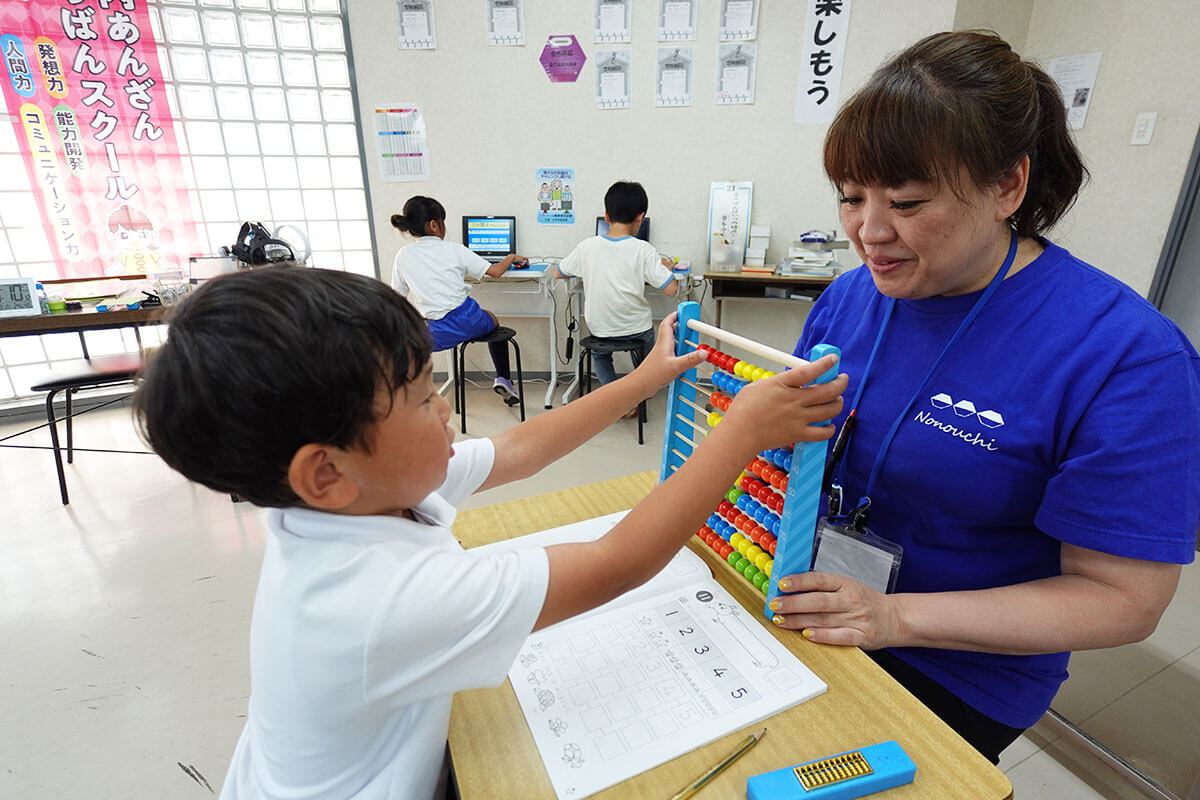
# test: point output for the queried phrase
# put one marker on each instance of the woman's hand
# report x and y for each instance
(834, 609)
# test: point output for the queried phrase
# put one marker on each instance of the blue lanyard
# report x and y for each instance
(891, 434)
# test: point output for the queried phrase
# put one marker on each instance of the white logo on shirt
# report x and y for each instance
(965, 409)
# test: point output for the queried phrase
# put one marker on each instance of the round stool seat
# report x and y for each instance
(604, 345)
(497, 334)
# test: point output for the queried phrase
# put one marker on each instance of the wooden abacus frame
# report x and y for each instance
(786, 548)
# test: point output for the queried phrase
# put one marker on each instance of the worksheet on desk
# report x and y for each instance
(650, 676)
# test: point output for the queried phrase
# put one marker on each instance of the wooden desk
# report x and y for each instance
(89, 319)
(495, 757)
(753, 285)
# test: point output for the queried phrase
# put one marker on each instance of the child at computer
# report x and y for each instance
(431, 272)
(311, 392)
(615, 268)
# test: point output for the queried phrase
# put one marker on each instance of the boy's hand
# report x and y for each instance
(661, 365)
(782, 409)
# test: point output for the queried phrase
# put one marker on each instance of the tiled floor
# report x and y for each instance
(124, 618)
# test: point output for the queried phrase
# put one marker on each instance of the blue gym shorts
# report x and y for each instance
(463, 323)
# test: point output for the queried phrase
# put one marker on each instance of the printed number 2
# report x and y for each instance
(686, 631)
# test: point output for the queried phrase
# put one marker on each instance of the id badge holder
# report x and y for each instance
(841, 548)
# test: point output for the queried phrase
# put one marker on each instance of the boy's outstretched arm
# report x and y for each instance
(767, 413)
(525, 449)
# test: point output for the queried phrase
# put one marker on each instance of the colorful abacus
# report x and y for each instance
(767, 521)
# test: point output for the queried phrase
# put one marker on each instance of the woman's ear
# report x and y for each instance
(315, 477)
(1011, 190)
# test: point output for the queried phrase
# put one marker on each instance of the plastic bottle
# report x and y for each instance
(43, 299)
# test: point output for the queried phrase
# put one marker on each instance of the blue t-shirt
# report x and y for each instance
(1068, 412)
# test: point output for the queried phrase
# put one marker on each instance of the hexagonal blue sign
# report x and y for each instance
(562, 58)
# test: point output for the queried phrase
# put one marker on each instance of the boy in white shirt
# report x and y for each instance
(311, 391)
(615, 269)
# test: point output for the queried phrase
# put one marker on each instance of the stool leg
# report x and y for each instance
(70, 433)
(62, 477)
(641, 421)
(520, 377)
(462, 383)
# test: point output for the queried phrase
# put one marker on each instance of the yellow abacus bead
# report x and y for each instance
(757, 373)
(752, 551)
(713, 419)
(762, 560)
(768, 373)
(736, 539)
(767, 568)
(744, 546)
(739, 367)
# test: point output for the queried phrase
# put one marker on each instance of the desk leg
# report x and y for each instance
(450, 367)
(549, 400)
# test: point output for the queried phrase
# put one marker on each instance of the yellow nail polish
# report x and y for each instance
(774, 605)
(778, 620)
(806, 633)
(785, 584)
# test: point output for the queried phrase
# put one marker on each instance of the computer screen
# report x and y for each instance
(643, 232)
(492, 237)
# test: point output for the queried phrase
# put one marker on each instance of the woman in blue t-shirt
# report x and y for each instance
(1024, 426)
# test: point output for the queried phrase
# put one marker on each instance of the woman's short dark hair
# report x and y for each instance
(960, 100)
(416, 215)
(624, 200)
(258, 363)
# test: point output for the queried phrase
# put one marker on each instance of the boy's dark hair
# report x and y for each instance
(258, 363)
(624, 200)
(960, 100)
(418, 212)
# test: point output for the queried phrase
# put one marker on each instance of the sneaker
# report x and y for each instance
(504, 388)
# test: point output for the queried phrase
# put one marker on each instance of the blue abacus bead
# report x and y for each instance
(712, 521)
(760, 514)
(775, 526)
(787, 462)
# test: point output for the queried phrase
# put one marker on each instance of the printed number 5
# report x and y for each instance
(736, 693)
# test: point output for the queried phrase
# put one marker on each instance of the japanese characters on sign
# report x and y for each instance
(86, 90)
(821, 60)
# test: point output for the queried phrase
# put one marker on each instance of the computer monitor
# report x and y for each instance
(492, 237)
(643, 232)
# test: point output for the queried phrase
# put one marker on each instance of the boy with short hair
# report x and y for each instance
(311, 391)
(615, 268)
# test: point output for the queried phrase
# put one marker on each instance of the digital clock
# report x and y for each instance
(18, 298)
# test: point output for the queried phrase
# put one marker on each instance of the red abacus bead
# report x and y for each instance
(739, 522)
(731, 514)
(726, 549)
(724, 506)
(770, 548)
(783, 484)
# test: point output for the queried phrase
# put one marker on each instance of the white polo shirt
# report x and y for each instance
(431, 273)
(363, 629)
(615, 273)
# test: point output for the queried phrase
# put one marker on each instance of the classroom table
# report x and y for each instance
(88, 319)
(494, 756)
(755, 285)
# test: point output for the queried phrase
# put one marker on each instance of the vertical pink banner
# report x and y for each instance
(83, 81)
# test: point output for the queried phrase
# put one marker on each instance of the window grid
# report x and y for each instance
(264, 118)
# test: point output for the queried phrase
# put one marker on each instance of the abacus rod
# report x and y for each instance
(701, 409)
(693, 425)
(778, 356)
(681, 436)
(697, 387)
(676, 452)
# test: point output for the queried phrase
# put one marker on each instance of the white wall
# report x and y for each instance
(493, 119)
(1150, 62)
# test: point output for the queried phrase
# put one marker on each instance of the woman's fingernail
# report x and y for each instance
(806, 633)
(785, 584)
(774, 605)
(778, 620)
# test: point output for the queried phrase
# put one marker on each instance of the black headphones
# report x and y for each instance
(255, 246)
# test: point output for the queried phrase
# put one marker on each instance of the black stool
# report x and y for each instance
(498, 334)
(595, 344)
(72, 376)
